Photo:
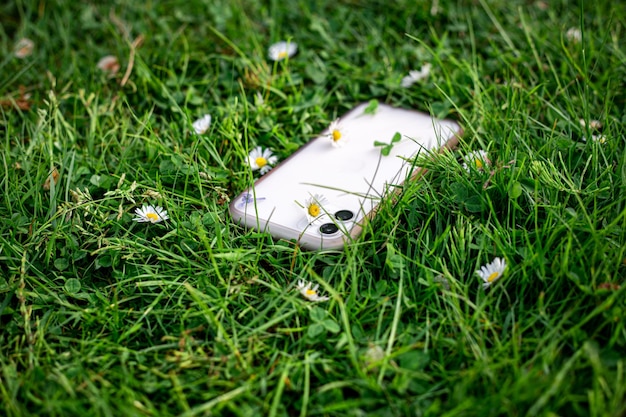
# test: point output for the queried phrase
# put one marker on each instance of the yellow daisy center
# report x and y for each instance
(282, 54)
(479, 163)
(152, 216)
(311, 292)
(314, 209)
(493, 276)
(336, 135)
(261, 162)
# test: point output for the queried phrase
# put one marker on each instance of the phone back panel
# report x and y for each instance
(351, 178)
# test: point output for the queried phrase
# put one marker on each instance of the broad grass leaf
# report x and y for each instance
(516, 190)
(72, 286)
(315, 330)
(61, 264)
(331, 325)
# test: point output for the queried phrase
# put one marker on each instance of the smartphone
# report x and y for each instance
(321, 196)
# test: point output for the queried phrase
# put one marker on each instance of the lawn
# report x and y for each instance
(193, 315)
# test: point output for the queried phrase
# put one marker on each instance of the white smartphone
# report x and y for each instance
(322, 195)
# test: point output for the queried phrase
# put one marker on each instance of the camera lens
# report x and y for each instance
(344, 215)
(328, 228)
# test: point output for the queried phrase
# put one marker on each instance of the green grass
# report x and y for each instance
(100, 315)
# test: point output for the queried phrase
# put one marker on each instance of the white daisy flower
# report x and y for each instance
(492, 272)
(150, 214)
(262, 160)
(373, 354)
(415, 76)
(574, 35)
(596, 138)
(109, 64)
(599, 138)
(314, 206)
(202, 124)
(477, 159)
(593, 124)
(259, 101)
(309, 291)
(282, 50)
(23, 48)
(337, 134)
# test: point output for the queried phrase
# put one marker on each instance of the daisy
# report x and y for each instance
(373, 354)
(593, 124)
(314, 206)
(202, 124)
(309, 291)
(491, 272)
(259, 101)
(109, 64)
(476, 159)
(282, 50)
(415, 76)
(599, 138)
(150, 214)
(573, 35)
(596, 138)
(337, 134)
(23, 48)
(262, 160)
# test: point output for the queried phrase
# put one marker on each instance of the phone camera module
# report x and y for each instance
(329, 229)
(344, 215)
